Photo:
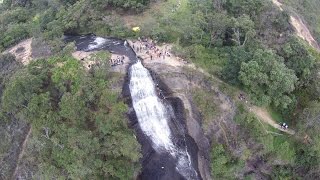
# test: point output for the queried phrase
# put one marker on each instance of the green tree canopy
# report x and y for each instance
(268, 79)
(298, 58)
(77, 118)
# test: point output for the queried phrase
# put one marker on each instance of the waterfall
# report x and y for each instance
(153, 118)
(168, 138)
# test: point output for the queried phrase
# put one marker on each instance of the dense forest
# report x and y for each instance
(68, 109)
(78, 118)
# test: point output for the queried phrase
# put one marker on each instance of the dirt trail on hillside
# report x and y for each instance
(23, 146)
(277, 3)
(301, 29)
(263, 115)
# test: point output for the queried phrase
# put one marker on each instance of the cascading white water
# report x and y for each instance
(97, 43)
(153, 119)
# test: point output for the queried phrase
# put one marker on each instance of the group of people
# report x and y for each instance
(117, 61)
(149, 47)
(242, 97)
(156, 52)
(284, 125)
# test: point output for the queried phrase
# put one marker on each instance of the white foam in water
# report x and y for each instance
(97, 43)
(152, 118)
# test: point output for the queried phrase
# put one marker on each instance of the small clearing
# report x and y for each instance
(88, 60)
(263, 115)
(22, 51)
(154, 10)
(136, 20)
(171, 60)
(151, 56)
(84, 57)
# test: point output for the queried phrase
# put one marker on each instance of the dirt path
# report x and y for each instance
(263, 115)
(301, 29)
(303, 32)
(277, 3)
(23, 146)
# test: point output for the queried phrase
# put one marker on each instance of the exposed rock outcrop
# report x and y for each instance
(300, 27)
(22, 51)
(182, 82)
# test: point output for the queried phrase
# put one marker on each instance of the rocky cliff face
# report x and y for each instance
(299, 26)
(177, 83)
(182, 82)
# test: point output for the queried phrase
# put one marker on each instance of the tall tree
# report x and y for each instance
(298, 57)
(268, 79)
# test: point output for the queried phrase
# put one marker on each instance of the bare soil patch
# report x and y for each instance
(263, 115)
(84, 57)
(303, 32)
(277, 3)
(300, 27)
(87, 61)
(22, 51)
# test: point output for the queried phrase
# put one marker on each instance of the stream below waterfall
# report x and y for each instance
(168, 151)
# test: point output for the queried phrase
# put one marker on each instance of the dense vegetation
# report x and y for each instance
(251, 44)
(77, 119)
(8, 66)
(51, 19)
(235, 40)
(247, 43)
(79, 124)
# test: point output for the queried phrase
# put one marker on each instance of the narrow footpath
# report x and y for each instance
(263, 115)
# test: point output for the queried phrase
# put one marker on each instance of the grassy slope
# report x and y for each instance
(275, 115)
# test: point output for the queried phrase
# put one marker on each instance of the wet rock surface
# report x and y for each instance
(179, 88)
(162, 165)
